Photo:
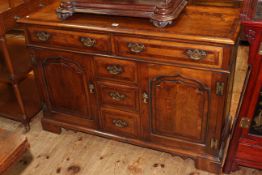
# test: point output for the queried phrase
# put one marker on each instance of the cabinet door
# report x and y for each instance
(65, 79)
(184, 110)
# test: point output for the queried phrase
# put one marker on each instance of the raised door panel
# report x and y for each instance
(65, 78)
(182, 109)
(179, 103)
(66, 84)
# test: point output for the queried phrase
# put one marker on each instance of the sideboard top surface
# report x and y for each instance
(197, 23)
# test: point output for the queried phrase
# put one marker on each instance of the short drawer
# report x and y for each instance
(120, 123)
(118, 96)
(90, 42)
(120, 70)
(168, 51)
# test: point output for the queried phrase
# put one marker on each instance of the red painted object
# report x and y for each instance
(245, 147)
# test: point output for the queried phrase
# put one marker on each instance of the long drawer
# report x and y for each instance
(169, 51)
(88, 42)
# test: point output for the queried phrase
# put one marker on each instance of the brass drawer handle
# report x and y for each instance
(136, 47)
(43, 36)
(120, 123)
(114, 69)
(88, 42)
(196, 54)
(117, 96)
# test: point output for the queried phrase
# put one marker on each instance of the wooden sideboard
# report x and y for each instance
(122, 78)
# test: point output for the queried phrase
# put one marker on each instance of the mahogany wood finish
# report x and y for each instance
(161, 12)
(13, 146)
(19, 99)
(167, 89)
(246, 143)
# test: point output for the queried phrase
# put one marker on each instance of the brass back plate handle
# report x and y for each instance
(136, 47)
(196, 54)
(88, 42)
(114, 69)
(117, 96)
(43, 36)
(120, 123)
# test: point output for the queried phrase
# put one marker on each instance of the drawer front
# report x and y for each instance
(118, 96)
(167, 51)
(120, 123)
(120, 70)
(90, 42)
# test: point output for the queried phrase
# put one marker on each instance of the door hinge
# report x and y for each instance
(214, 143)
(220, 86)
(245, 122)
